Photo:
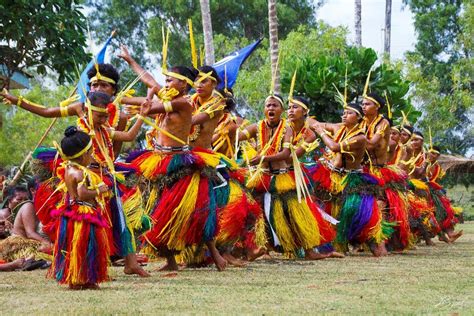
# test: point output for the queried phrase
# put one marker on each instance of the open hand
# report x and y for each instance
(145, 107)
(124, 54)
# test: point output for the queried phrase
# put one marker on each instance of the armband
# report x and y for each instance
(286, 145)
(63, 110)
(20, 99)
(112, 133)
(168, 106)
(246, 133)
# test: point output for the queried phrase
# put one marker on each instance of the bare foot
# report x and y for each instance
(91, 286)
(378, 250)
(234, 261)
(267, 256)
(443, 237)
(456, 236)
(220, 262)
(255, 253)
(336, 254)
(169, 267)
(312, 255)
(136, 270)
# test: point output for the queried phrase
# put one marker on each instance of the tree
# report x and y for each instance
(232, 18)
(320, 78)
(388, 27)
(358, 22)
(40, 35)
(319, 68)
(273, 35)
(441, 68)
(207, 30)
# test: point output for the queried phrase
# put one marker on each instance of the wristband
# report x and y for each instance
(20, 99)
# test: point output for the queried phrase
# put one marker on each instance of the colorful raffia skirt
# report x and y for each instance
(82, 246)
(327, 186)
(445, 213)
(360, 219)
(423, 222)
(393, 182)
(193, 199)
(125, 213)
(291, 224)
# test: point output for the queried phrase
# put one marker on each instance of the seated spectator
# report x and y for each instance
(18, 195)
(27, 239)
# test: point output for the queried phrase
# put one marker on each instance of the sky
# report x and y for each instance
(403, 37)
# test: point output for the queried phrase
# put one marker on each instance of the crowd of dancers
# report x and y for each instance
(209, 186)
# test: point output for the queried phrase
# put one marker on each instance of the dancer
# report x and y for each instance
(293, 221)
(392, 179)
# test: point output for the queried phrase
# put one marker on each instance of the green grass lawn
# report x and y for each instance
(435, 280)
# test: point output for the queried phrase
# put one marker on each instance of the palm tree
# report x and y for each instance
(273, 30)
(388, 27)
(207, 28)
(358, 23)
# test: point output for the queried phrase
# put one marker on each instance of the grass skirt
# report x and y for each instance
(82, 247)
(192, 202)
(393, 182)
(361, 221)
(17, 247)
(422, 217)
(125, 213)
(291, 224)
(444, 212)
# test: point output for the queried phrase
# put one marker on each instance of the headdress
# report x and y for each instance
(164, 57)
(370, 96)
(272, 86)
(343, 98)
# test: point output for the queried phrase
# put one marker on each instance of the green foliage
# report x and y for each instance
(22, 130)
(317, 79)
(254, 81)
(143, 21)
(441, 68)
(320, 70)
(39, 35)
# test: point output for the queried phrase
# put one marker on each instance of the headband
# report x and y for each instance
(434, 151)
(373, 100)
(275, 97)
(418, 136)
(406, 130)
(79, 154)
(205, 75)
(179, 77)
(354, 109)
(304, 106)
(98, 77)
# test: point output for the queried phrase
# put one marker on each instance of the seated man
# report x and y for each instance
(26, 238)
(26, 223)
(18, 195)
